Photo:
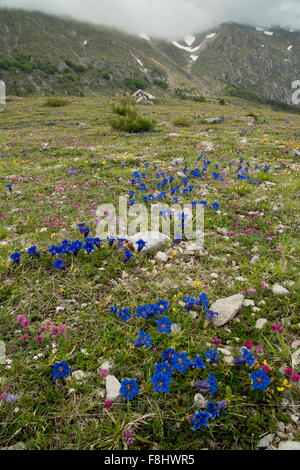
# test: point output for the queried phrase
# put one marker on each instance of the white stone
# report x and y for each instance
(224, 351)
(163, 257)
(112, 388)
(289, 445)
(228, 360)
(214, 275)
(200, 401)
(279, 290)
(178, 161)
(155, 240)
(249, 303)
(107, 365)
(176, 329)
(79, 375)
(266, 441)
(261, 323)
(296, 358)
(227, 309)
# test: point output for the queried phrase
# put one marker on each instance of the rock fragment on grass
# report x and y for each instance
(227, 309)
(261, 323)
(280, 290)
(113, 387)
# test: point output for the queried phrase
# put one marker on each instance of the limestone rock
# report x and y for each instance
(261, 323)
(266, 441)
(289, 445)
(112, 388)
(280, 290)
(154, 240)
(227, 309)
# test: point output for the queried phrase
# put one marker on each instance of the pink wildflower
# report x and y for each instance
(217, 341)
(128, 437)
(108, 405)
(251, 291)
(278, 328)
(295, 377)
(248, 344)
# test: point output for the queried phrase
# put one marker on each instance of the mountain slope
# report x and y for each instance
(53, 55)
(50, 55)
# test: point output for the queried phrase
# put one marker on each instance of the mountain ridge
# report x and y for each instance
(45, 54)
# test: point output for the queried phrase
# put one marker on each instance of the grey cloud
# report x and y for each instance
(170, 18)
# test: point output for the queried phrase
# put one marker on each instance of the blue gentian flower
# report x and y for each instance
(61, 370)
(203, 300)
(111, 241)
(216, 206)
(215, 409)
(124, 315)
(190, 303)
(163, 368)
(161, 383)
(198, 363)
(248, 357)
(141, 244)
(33, 251)
(168, 355)
(75, 247)
(127, 257)
(181, 362)
(163, 306)
(16, 257)
(210, 315)
(129, 389)
(199, 420)
(164, 325)
(59, 264)
(53, 250)
(213, 356)
(121, 242)
(88, 247)
(143, 340)
(9, 187)
(208, 385)
(97, 242)
(114, 309)
(260, 380)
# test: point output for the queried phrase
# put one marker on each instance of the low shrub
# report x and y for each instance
(56, 102)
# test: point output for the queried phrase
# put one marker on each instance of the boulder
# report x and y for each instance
(227, 309)
(113, 387)
(289, 445)
(154, 240)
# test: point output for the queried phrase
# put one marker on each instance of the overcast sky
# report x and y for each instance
(170, 18)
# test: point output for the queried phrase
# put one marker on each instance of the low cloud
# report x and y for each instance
(170, 18)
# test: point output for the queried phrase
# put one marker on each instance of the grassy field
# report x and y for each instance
(62, 163)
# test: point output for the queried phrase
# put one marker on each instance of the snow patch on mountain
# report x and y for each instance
(144, 36)
(269, 33)
(194, 58)
(211, 35)
(185, 48)
(189, 40)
